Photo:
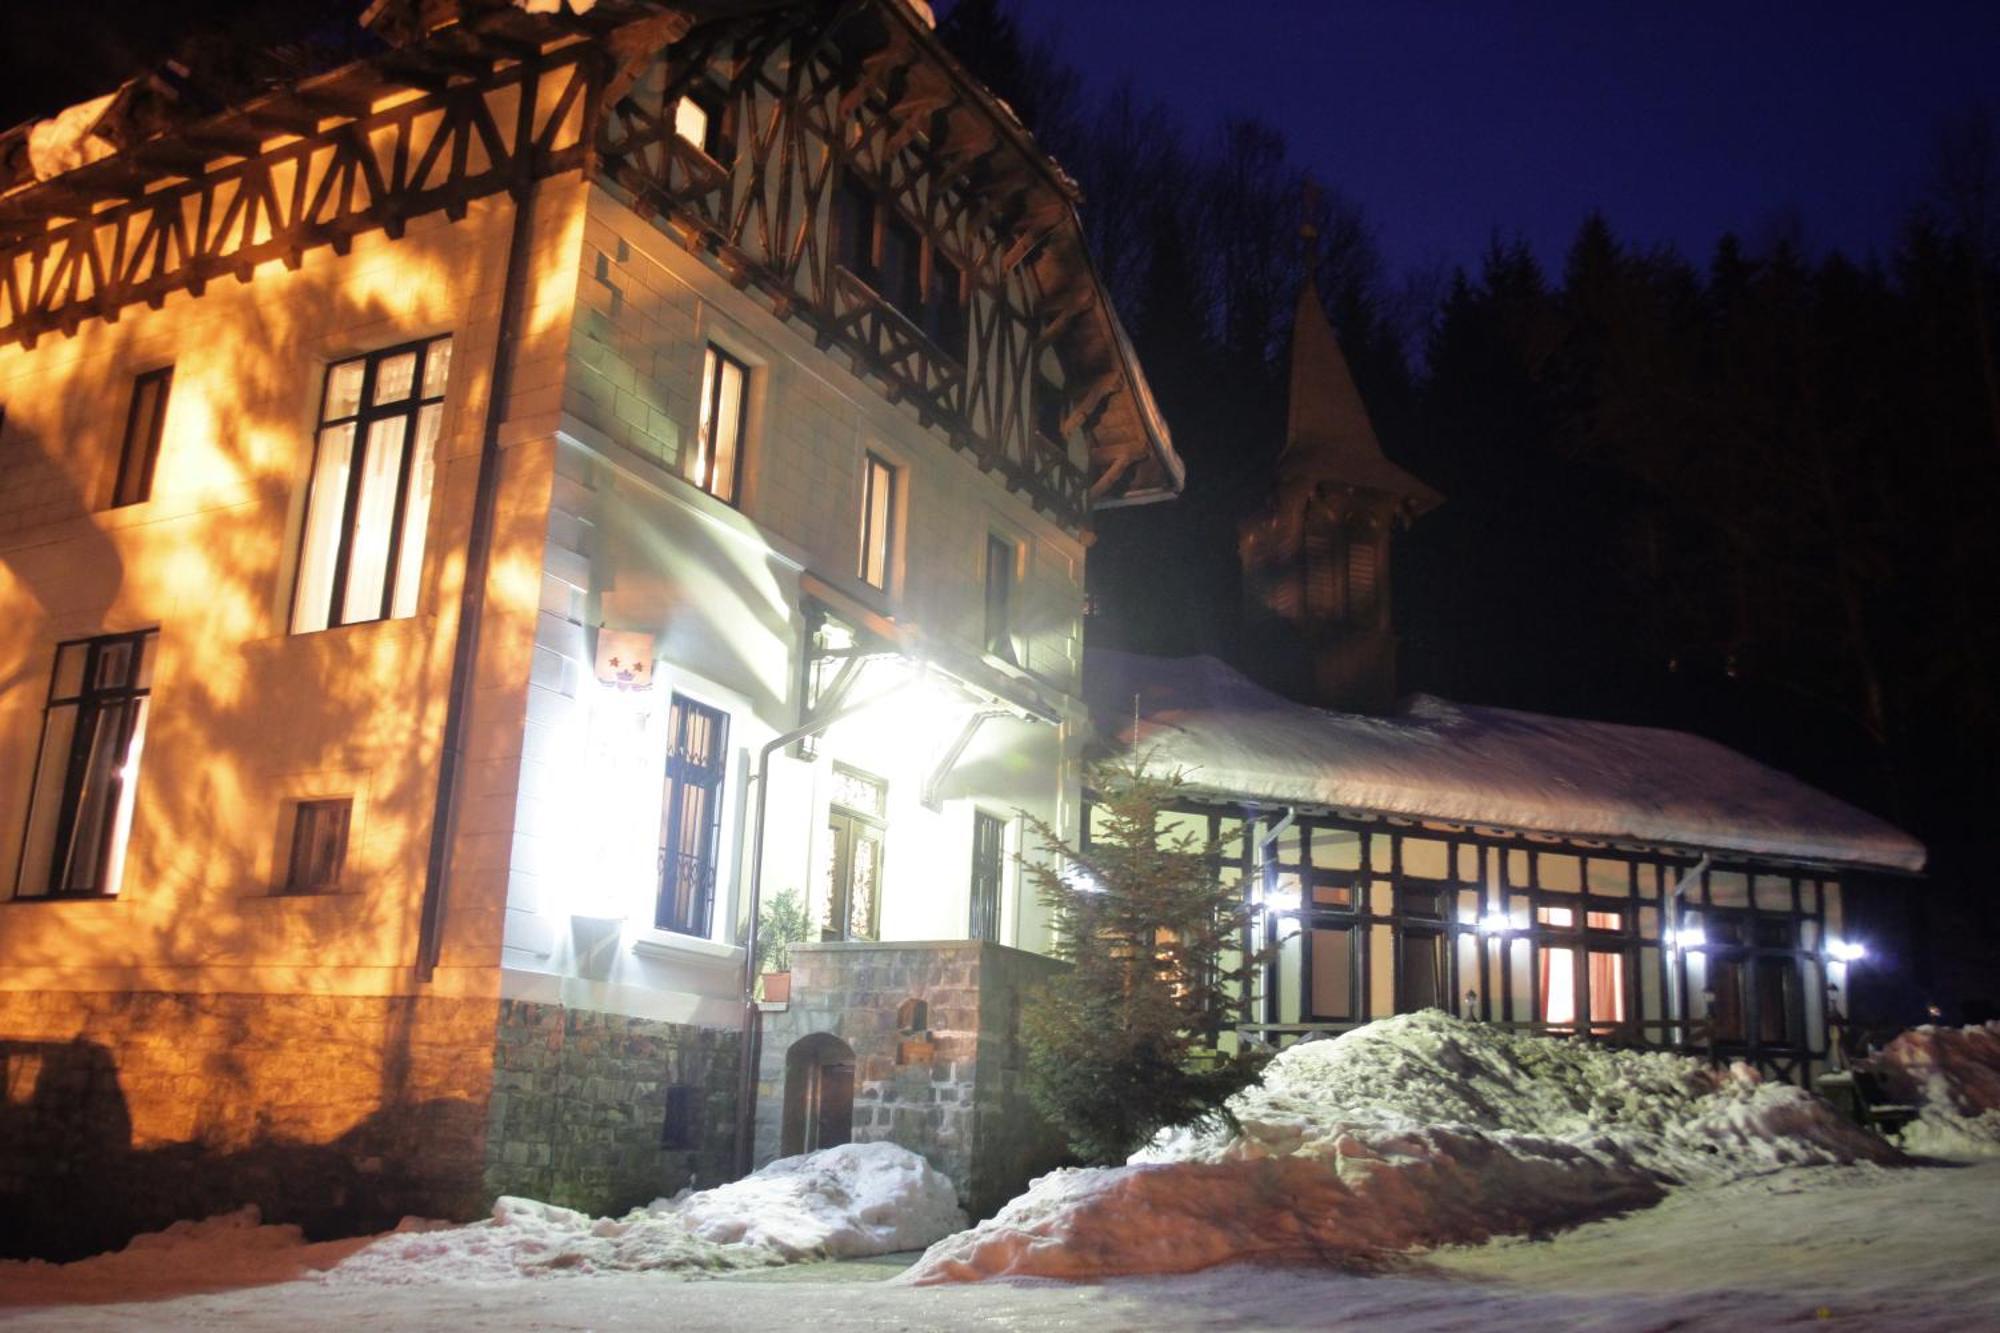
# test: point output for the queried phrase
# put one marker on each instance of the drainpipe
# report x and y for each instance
(747, 1054)
(479, 543)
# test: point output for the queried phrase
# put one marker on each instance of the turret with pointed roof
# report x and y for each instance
(1316, 558)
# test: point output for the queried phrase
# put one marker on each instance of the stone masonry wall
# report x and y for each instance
(580, 1112)
(125, 1111)
(949, 1088)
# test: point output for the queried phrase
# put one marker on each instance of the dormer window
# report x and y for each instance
(700, 122)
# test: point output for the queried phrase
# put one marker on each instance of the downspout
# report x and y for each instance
(747, 1053)
(479, 543)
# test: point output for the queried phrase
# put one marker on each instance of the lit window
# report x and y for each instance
(93, 730)
(691, 821)
(1000, 557)
(145, 419)
(319, 845)
(691, 122)
(878, 518)
(371, 486)
(718, 456)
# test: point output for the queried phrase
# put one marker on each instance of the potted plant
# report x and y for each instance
(780, 925)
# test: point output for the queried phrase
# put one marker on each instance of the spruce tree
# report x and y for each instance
(1124, 1043)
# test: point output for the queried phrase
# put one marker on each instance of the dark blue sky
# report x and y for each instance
(1681, 121)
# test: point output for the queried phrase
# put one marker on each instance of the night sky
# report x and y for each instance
(1680, 121)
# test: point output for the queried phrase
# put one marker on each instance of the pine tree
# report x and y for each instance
(1123, 1043)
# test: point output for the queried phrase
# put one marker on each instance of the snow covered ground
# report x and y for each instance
(1909, 1249)
(1360, 1171)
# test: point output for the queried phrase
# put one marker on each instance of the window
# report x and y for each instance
(145, 419)
(718, 454)
(944, 307)
(852, 908)
(854, 227)
(989, 840)
(370, 498)
(691, 820)
(899, 275)
(93, 730)
(1000, 557)
(319, 845)
(1330, 961)
(691, 122)
(1424, 976)
(878, 521)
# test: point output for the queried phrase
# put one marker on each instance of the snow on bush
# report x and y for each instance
(857, 1199)
(1952, 1077)
(1417, 1130)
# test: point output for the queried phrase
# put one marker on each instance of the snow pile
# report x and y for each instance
(857, 1199)
(1952, 1075)
(1417, 1130)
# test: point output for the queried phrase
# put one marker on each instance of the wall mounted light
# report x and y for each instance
(1846, 951)
(1689, 938)
(1496, 923)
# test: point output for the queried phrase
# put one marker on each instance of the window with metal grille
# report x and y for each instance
(878, 521)
(145, 420)
(87, 772)
(1000, 557)
(718, 454)
(691, 822)
(319, 845)
(370, 497)
(989, 840)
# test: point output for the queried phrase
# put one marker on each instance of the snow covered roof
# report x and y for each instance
(1480, 766)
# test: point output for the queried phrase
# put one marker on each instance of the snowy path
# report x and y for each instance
(1908, 1249)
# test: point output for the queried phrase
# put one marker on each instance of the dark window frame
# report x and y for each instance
(934, 296)
(363, 418)
(1003, 557)
(689, 857)
(139, 449)
(302, 876)
(91, 702)
(989, 860)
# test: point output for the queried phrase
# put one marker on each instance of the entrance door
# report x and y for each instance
(830, 1113)
(989, 839)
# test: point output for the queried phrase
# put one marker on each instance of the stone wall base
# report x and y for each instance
(603, 1112)
(125, 1111)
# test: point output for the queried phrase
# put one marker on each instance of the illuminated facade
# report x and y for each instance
(473, 523)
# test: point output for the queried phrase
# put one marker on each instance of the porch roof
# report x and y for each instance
(1461, 764)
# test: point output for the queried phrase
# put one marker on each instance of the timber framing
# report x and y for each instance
(1769, 930)
(473, 98)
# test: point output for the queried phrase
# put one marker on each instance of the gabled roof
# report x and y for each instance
(1329, 440)
(1490, 767)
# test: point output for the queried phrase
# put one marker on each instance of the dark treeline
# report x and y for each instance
(1748, 497)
